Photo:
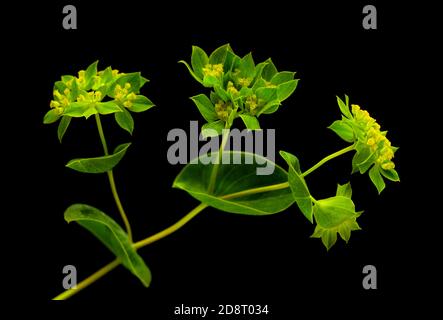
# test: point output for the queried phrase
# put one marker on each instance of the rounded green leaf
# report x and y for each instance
(331, 212)
(234, 178)
(99, 164)
(112, 236)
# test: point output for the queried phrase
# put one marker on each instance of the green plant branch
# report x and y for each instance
(179, 224)
(216, 166)
(188, 217)
(112, 181)
(89, 280)
(326, 159)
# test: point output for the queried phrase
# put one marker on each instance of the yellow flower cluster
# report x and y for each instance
(214, 70)
(61, 101)
(122, 94)
(251, 104)
(374, 138)
(93, 96)
(244, 82)
(223, 110)
(232, 89)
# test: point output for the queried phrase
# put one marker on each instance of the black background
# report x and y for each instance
(218, 257)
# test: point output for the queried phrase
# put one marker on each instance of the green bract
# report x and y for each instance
(335, 215)
(97, 92)
(374, 150)
(240, 88)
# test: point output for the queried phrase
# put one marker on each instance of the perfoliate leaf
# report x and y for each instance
(63, 126)
(298, 185)
(331, 212)
(250, 122)
(112, 236)
(236, 179)
(376, 178)
(206, 108)
(124, 120)
(199, 59)
(99, 164)
(335, 215)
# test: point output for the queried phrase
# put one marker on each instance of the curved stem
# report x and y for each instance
(112, 181)
(216, 166)
(326, 159)
(172, 228)
(179, 224)
(248, 192)
(89, 280)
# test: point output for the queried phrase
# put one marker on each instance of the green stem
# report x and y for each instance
(326, 159)
(179, 224)
(216, 166)
(89, 280)
(172, 228)
(112, 181)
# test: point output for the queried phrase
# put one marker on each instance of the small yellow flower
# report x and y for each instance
(251, 104)
(54, 104)
(244, 82)
(214, 70)
(127, 85)
(223, 110)
(231, 89)
(127, 104)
